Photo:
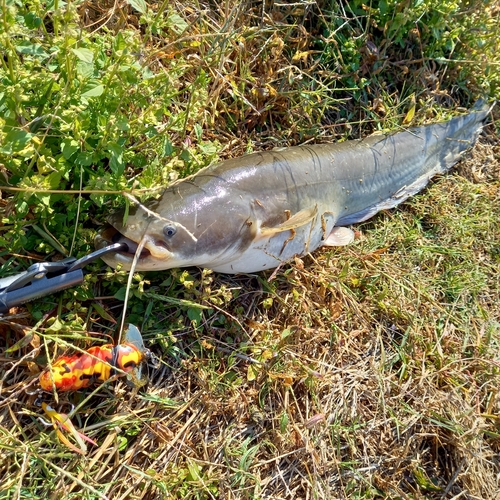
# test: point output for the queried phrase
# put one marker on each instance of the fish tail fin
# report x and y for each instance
(460, 134)
(482, 107)
(477, 116)
(466, 129)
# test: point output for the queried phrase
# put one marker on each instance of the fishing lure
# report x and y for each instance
(96, 365)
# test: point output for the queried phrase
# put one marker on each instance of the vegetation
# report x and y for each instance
(370, 371)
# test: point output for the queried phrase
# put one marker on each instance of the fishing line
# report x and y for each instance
(137, 254)
(77, 213)
(156, 215)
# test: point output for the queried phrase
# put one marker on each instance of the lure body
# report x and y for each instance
(84, 369)
(96, 365)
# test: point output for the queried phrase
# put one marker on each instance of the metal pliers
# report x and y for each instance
(45, 278)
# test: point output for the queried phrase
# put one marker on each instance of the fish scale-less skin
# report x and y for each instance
(251, 213)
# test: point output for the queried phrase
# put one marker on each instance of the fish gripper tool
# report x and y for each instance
(46, 278)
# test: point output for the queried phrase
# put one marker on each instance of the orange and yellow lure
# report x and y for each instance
(97, 364)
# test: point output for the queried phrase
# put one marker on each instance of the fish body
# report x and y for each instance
(252, 213)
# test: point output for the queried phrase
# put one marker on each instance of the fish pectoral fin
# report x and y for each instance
(339, 237)
(297, 220)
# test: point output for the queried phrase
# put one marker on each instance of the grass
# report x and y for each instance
(369, 371)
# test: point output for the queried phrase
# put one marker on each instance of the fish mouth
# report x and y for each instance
(111, 235)
(154, 254)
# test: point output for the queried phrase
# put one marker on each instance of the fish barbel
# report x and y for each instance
(252, 213)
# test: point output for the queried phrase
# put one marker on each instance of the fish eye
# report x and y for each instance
(169, 231)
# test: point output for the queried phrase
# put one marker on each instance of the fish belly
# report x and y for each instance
(269, 252)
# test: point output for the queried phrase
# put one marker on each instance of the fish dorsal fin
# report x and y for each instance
(296, 220)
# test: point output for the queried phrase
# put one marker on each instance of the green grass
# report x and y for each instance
(369, 371)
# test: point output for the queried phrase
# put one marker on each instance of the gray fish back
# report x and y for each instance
(442, 146)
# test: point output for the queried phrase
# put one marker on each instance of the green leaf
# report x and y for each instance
(84, 55)
(55, 327)
(84, 159)
(252, 372)
(21, 343)
(177, 24)
(15, 140)
(208, 148)
(54, 180)
(194, 471)
(116, 163)
(51, 5)
(195, 315)
(139, 5)
(32, 21)
(120, 294)
(168, 147)
(147, 73)
(119, 42)
(103, 313)
(69, 147)
(198, 130)
(85, 69)
(284, 420)
(122, 124)
(122, 443)
(423, 480)
(31, 49)
(93, 89)
(44, 198)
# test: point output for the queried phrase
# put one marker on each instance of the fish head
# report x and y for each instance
(181, 236)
